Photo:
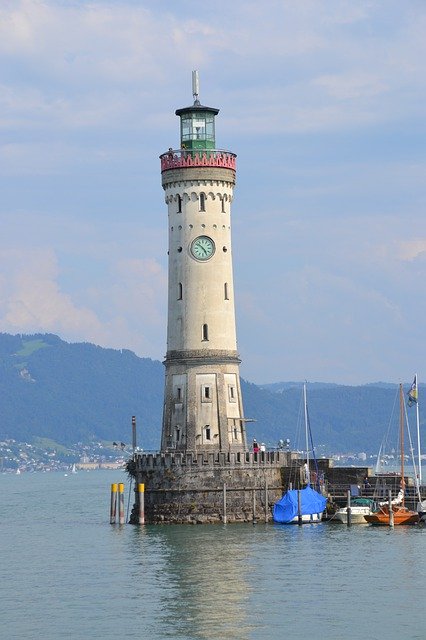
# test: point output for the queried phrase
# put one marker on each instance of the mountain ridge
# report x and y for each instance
(72, 392)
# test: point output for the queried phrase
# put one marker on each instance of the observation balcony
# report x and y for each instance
(182, 158)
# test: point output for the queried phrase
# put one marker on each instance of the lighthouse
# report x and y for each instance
(204, 471)
(203, 408)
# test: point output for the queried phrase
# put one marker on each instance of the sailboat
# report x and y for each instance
(413, 398)
(73, 469)
(299, 506)
(396, 511)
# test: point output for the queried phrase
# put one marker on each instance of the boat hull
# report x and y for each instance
(357, 515)
(401, 515)
(310, 518)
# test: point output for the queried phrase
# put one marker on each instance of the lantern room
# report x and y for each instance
(197, 123)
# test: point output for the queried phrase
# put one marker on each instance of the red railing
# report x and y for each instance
(180, 158)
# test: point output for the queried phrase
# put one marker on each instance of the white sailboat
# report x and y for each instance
(73, 469)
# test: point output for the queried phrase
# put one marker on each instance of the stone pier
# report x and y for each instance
(208, 487)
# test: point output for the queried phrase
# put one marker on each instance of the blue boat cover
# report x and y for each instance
(285, 510)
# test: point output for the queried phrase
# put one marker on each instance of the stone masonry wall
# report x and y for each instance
(186, 488)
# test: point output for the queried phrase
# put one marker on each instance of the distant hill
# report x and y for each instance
(80, 392)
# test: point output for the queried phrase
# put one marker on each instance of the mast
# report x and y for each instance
(308, 473)
(418, 432)
(401, 437)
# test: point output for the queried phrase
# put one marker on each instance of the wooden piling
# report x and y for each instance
(224, 503)
(266, 501)
(113, 508)
(141, 492)
(121, 518)
(348, 509)
(391, 514)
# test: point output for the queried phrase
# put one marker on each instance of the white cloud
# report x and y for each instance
(31, 300)
(87, 93)
(409, 250)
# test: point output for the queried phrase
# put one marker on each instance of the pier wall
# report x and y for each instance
(208, 487)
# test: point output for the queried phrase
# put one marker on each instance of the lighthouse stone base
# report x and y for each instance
(196, 488)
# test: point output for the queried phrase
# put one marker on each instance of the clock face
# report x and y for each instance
(202, 248)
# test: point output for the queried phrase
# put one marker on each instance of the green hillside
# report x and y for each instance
(80, 392)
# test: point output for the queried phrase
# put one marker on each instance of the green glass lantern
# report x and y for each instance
(197, 123)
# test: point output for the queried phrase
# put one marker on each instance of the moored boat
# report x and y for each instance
(360, 507)
(301, 506)
(394, 512)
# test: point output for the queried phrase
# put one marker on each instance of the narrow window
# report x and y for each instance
(177, 434)
(202, 201)
(231, 391)
(235, 433)
(207, 432)
(179, 393)
(205, 332)
(179, 201)
(226, 291)
(207, 392)
(223, 205)
(179, 291)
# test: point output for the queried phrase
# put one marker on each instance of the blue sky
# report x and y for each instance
(324, 104)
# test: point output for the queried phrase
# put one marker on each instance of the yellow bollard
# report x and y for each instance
(141, 491)
(113, 508)
(121, 503)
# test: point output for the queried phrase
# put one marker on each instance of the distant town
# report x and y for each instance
(45, 455)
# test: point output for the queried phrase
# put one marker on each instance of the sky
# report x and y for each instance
(323, 101)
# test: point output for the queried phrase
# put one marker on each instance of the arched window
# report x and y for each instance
(205, 332)
(207, 432)
(179, 201)
(226, 291)
(223, 205)
(180, 291)
(202, 201)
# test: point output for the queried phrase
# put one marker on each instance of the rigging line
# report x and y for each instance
(413, 460)
(317, 484)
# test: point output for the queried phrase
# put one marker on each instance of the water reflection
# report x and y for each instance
(201, 580)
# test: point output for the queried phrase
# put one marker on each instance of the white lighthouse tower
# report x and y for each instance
(203, 408)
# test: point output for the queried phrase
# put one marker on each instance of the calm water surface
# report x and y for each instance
(67, 573)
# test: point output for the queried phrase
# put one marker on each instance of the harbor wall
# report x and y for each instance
(208, 487)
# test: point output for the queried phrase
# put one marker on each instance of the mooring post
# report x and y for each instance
(391, 514)
(266, 501)
(224, 503)
(254, 505)
(299, 507)
(113, 508)
(349, 510)
(141, 492)
(121, 503)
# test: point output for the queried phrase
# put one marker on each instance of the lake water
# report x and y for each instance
(67, 573)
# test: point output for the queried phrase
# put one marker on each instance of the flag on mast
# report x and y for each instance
(413, 394)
